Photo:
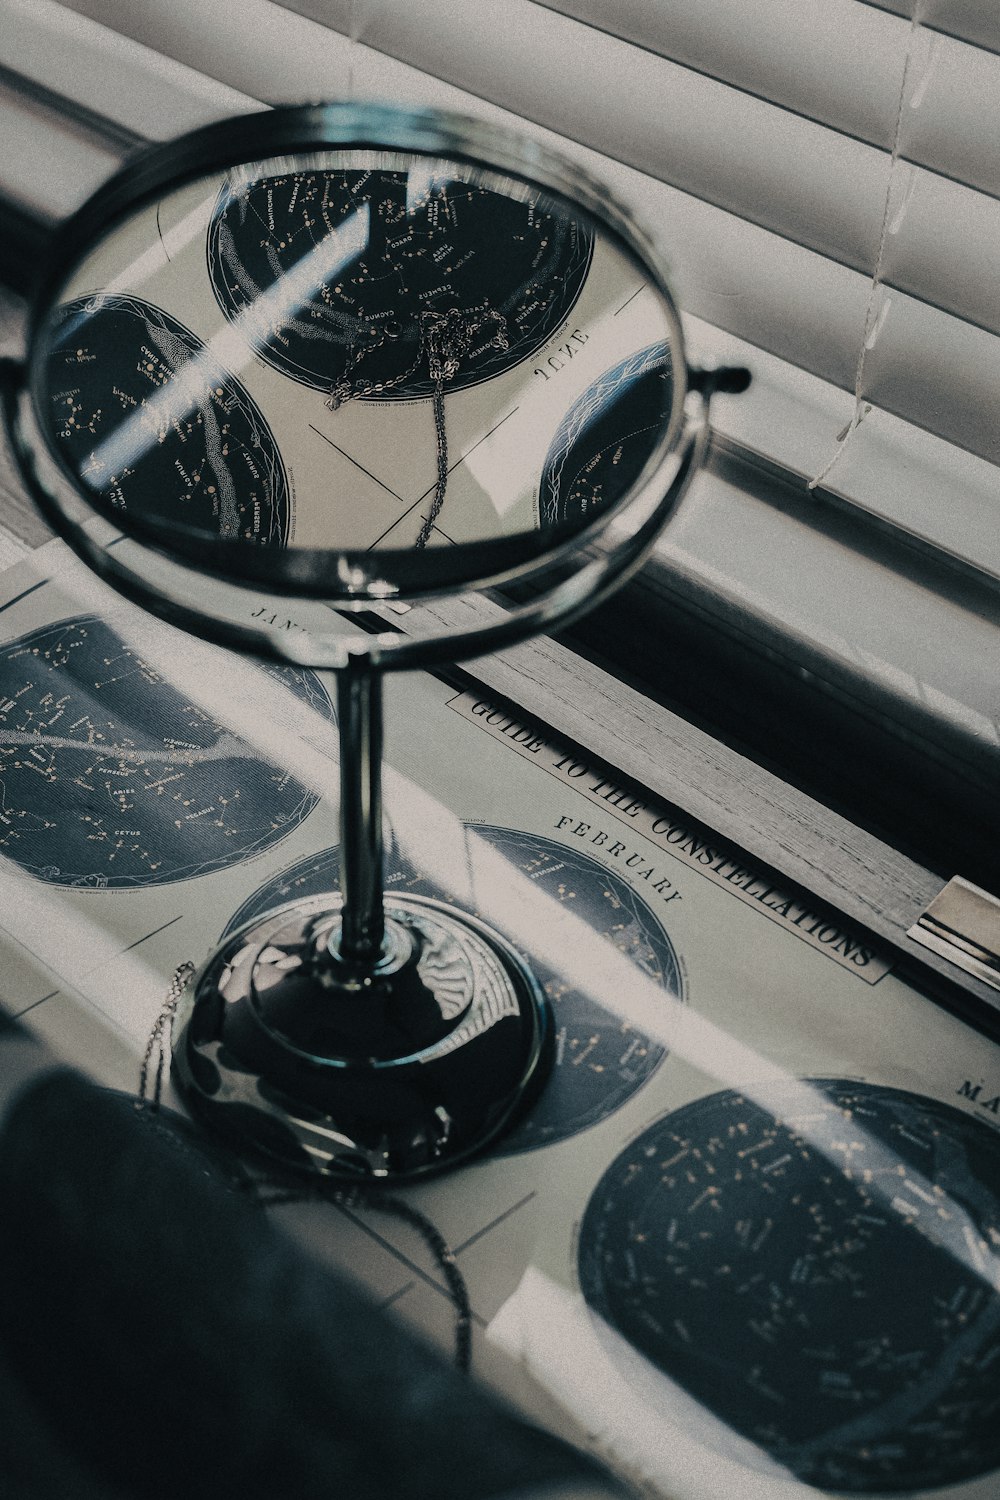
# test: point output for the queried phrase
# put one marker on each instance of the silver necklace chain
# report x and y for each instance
(271, 1191)
(445, 339)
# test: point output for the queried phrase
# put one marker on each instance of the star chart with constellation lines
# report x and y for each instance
(110, 777)
(801, 1284)
(425, 252)
(749, 1247)
(213, 461)
(356, 357)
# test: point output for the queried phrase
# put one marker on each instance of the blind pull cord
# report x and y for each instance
(879, 299)
(356, 25)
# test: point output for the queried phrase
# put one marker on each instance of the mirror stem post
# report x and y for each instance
(359, 708)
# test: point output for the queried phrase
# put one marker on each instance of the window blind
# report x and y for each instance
(837, 62)
(657, 87)
(761, 145)
(972, 20)
(887, 631)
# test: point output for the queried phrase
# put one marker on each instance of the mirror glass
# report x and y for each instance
(351, 350)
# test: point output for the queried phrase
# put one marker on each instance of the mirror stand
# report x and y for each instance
(354, 1039)
(351, 355)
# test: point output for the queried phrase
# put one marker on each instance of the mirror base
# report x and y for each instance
(393, 1073)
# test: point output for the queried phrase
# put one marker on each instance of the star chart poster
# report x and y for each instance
(747, 1241)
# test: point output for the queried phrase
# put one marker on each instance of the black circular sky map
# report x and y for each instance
(110, 777)
(821, 1277)
(505, 270)
(147, 418)
(601, 1061)
(606, 437)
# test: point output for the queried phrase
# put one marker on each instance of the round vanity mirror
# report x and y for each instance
(359, 356)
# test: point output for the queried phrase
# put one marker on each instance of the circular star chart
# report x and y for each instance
(601, 1061)
(145, 416)
(110, 777)
(354, 281)
(606, 437)
(820, 1274)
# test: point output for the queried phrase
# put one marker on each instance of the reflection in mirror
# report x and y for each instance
(356, 349)
(400, 377)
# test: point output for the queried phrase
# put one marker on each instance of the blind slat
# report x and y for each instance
(975, 21)
(790, 175)
(74, 166)
(787, 174)
(890, 468)
(830, 60)
(834, 61)
(114, 75)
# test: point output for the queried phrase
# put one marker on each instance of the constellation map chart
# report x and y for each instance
(820, 1281)
(145, 415)
(817, 1275)
(111, 777)
(606, 437)
(354, 349)
(423, 258)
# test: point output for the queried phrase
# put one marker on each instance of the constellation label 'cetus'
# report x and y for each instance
(384, 270)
